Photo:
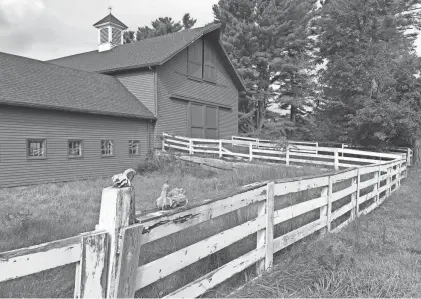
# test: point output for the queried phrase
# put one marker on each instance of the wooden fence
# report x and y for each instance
(107, 259)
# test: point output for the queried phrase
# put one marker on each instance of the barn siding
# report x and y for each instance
(141, 84)
(173, 79)
(18, 124)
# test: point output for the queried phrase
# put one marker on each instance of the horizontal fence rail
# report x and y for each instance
(107, 259)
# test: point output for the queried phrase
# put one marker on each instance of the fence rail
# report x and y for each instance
(107, 259)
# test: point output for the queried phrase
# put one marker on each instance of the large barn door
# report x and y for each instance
(197, 121)
(204, 121)
(211, 123)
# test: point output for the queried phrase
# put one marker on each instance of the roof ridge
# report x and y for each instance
(149, 39)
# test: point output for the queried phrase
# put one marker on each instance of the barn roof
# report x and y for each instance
(32, 83)
(145, 53)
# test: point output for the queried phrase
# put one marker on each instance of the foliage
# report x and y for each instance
(161, 26)
(371, 94)
(269, 43)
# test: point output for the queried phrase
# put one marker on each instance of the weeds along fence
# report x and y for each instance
(110, 260)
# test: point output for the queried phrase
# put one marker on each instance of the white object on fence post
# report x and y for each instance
(92, 270)
(324, 209)
(287, 155)
(251, 151)
(220, 149)
(265, 236)
(117, 212)
(336, 161)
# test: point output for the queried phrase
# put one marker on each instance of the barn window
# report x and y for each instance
(195, 60)
(209, 70)
(75, 148)
(107, 148)
(36, 148)
(134, 147)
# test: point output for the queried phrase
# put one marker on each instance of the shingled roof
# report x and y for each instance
(145, 53)
(32, 83)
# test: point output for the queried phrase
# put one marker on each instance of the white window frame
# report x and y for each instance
(137, 153)
(70, 148)
(43, 149)
(109, 147)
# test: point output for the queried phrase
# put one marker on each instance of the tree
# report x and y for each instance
(371, 94)
(188, 21)
(268, 43)
(160, 26)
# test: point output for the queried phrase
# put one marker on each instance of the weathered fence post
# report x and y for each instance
(354, 197)
(117, 212)
(163, 142)
(191, 152)
(92, 270)
(265, 236)
(250, 151)
(336, 159)
(324, 210)
(357, 194)
(220, 149)
(408, 156)
(287, 155)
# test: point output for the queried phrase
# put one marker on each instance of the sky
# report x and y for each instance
(48, 29)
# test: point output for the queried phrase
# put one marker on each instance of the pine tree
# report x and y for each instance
(268, 42)
(160, 26)
(371, 93)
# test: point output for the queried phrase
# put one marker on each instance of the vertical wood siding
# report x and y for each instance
(18, 124)
(173, 114)
(141, 85)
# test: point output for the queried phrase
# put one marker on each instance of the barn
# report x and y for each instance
(99, 112)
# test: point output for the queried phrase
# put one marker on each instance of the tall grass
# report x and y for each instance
(66, 209)
(378, 255)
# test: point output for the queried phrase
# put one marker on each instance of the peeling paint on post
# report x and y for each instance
(117, 212)
(91, 277)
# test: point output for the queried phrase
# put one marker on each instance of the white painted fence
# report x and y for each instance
(107, 259)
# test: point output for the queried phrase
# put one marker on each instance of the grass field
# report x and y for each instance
(66, 209)
(378, 255)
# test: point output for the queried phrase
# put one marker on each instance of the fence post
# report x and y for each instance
(251, 151)
(357, 195)
(408, 156)
(287, 155)
(265, 236)
(354, 197)
(163, 142)
(324, 210)
(336, 159)
(91, 271)
(388, 180)
(220, 149)
(191, 152)
(117, 212)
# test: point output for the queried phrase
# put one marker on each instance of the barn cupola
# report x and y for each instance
(110, 32)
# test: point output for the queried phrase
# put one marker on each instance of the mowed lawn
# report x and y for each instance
(63, 210)
(378, 255)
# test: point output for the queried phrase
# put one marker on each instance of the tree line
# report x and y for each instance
(345, 70)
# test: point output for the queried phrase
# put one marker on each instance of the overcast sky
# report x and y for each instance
(47, 29)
